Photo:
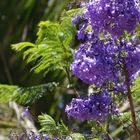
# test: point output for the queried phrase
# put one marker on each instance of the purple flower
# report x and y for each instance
(22, 135)
(94, 107)
(113, 16)
(100, 63)
(32, 136)
(76, 19)
(46, 136)
(25, 113)
(55, 139)
(93, 63)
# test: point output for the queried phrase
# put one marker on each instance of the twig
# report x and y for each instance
(132, 109)
(69, 78)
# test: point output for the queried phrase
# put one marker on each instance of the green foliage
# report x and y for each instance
(52, 48)
(6, 92)
(77, 136)
(97, 139)
(49, 126)
(124, 117)
(63, 129)
(98, 128)
(23, 45)
(73, 12)
(136, 90)
(18, 23)
(24, 95)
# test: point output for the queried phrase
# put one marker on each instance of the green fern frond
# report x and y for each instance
(48, 31)
(73, 12)
(47, 124)
(22, 95)
(52, 49)
(63, 129)
(22, 45)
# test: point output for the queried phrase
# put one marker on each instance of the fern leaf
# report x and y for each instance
(52, 48)
(22, 45)
(73, 12)
(22, 95)
(47, 124)
(48, 31)
(63, 129)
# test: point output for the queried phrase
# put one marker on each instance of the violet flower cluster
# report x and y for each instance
(96, 106)
(113, 16)
(32, 136)
(101, 62)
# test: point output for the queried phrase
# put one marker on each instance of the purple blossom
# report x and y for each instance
(46, 136)
(76, 19)
(93, 63)
(113, 16)
(55, 139)
(93, 107)
(25, 113)
(101, 62)
(32, 136)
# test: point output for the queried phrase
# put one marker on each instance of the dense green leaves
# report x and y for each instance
(24, 96)
(52, 48)
(23, 45)
(73, 12)
(49, 126)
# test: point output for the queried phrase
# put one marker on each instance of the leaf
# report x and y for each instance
(77, 136)
(24, 95)
(22, 45)
(47, 124)
(73, 12)
(68, 30)
(136, 90)
(97, 139)
(52, 49)
(63, 129)
(126, 116)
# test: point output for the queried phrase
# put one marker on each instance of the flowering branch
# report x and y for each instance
(132, 108)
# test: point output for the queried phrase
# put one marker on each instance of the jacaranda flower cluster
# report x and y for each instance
(105, 55)
(99, 63)
(96, 106)
(113, 16)
(31, 136)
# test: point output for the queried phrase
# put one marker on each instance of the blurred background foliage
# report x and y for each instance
(18, 22)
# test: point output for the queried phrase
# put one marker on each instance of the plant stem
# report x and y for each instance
(109, 136)
(132, 108)
(69, 78)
